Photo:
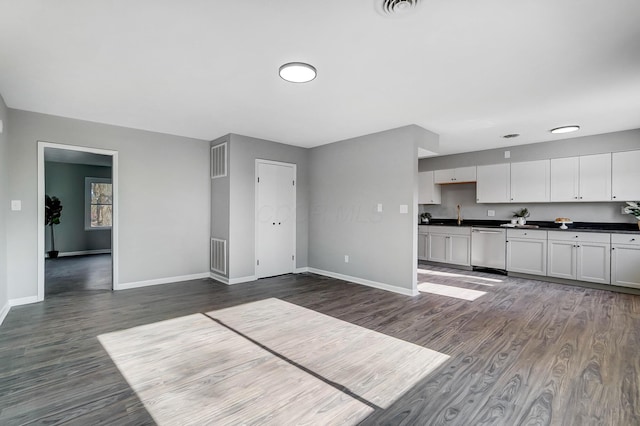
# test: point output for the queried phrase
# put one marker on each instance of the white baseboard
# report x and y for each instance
(231, 281)
(4, 311)
(302, 270)
(83, 252)
(23, 301)
(368, 283)
(168, 280)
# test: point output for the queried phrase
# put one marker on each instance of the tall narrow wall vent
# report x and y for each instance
(219, 161)
(219, 256)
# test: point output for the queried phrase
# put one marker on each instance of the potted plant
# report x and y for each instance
(425, 217)
(521, 215)
(52, 212)
(633, 209)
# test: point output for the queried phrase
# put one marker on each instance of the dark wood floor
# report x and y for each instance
(524, 353)
(91, 273)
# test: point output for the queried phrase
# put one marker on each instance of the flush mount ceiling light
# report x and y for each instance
(511, 135)
(396, 7)
(297, 72)
(565, 129)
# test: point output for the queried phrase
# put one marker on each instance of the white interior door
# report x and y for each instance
(275, 218)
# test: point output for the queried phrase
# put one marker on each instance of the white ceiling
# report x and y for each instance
(469, 70)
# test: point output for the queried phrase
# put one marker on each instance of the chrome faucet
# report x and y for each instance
(459, 218)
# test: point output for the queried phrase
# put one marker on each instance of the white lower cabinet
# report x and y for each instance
(527, 251)
(423, 232)
(625, 260)
(449, 244)
(579, 256)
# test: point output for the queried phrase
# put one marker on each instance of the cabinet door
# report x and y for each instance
(561, 259)
(594, 262)
(428, 191)
(595, 177)
(494, 183)
(437, 247)
(625, 175)
(444, 176)
(527, 256)
(459, 249)
(530, 181)
(422, 246)
(625, 265)
(565, 175)
(465, 174)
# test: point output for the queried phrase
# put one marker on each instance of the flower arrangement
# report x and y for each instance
(524, 212)
(633, 209)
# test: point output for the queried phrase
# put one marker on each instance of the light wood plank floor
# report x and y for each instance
(524, 352)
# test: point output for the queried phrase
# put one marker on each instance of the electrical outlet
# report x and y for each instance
(379, 208)
(507, 154)
(404, 209)
(16, 205)
(491, 213)
(346, 258)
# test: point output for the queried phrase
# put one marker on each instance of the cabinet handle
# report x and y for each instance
(575, 198)
(613, 196)
(581, 198)
(613, 248)
(633, 239)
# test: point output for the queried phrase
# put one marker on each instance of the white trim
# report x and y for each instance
(158, 281)
(295, 212)
(4, 311)
(40, 221)
(302, 270)
(83, 252)
(232, 281)
(23, 301)
(368, 283)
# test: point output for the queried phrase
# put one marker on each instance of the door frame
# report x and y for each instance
(295, 211)
(41, 207)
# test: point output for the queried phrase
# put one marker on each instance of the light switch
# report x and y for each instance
(491, 212)
(507, 154)
(16, 205)
(379, 207)
(404, 208)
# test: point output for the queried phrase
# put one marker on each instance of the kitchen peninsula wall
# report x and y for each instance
(465, 194)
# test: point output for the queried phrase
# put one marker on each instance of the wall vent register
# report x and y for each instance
(219, 161)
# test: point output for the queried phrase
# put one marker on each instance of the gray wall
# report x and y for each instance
(67, 182)
(348, 180)
(4, 203)
(164, 198)
(244, 151)
(220, 201)
(465, 194)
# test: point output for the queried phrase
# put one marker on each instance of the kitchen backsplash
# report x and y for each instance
(465, 195)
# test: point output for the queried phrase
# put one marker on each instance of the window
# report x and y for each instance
(98, 203)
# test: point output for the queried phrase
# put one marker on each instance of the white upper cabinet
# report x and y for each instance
(494, 184)
(565, 179)
(595, 177)
(584, 178)
(530, 181)
(625, 176)
(458, 175)
(428, 191)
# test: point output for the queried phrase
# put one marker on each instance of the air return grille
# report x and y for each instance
(219, 161)
(397, 7)
(219, 256)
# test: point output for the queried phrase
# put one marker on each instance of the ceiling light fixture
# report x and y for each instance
(511, 135)
(565, 129)
(298, 72)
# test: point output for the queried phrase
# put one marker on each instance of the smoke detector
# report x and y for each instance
(396, 7)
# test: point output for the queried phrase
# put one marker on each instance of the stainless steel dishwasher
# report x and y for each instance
(488, 248)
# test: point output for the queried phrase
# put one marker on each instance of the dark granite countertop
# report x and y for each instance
(614, 228)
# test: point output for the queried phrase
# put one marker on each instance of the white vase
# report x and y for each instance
(522, 221)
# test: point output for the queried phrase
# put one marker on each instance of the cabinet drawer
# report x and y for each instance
(450, 230)
(526, 234)
(630, 239)
(590, 237)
